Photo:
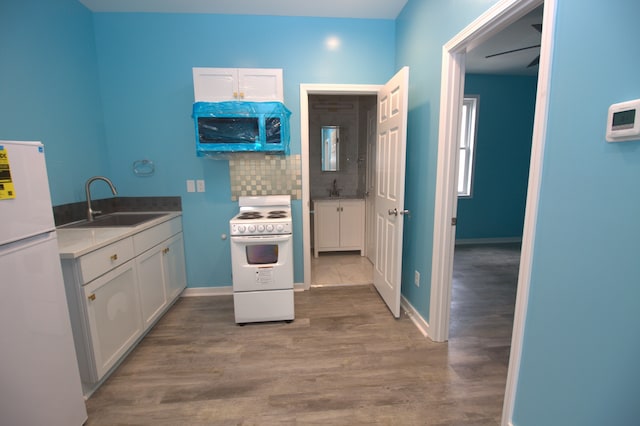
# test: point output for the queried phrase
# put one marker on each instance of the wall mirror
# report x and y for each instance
(330, 139)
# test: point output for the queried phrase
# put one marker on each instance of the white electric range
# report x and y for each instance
(262, 259)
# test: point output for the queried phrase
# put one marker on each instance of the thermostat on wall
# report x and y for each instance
(623, 121)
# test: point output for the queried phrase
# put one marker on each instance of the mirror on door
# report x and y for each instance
(330, 140)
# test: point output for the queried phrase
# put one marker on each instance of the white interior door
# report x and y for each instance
(389, 199)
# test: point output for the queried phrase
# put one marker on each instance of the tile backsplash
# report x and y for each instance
(264, 174)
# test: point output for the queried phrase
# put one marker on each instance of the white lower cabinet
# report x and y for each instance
(153, 297)
(161, 277)
(113, 313)
(174, 267)
(117, 293)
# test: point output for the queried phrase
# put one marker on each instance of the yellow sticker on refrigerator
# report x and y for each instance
(6, 184)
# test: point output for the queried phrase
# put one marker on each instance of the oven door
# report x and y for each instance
(263, 262)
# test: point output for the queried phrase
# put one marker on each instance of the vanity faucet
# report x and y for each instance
(334, 191)
(90, 211)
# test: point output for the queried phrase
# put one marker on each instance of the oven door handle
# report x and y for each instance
(261, 238)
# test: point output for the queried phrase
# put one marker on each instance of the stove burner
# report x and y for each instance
(277, 214)
(250, 215)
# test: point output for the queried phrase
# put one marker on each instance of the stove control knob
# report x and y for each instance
(280, 227)
(269, 227)
(241, 228)
(252, 228)
(260, 228)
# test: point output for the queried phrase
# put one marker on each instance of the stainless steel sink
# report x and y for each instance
(115, 220)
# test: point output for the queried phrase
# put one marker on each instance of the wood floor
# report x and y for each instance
(343, 361)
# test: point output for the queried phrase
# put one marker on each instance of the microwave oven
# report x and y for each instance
(237, 126)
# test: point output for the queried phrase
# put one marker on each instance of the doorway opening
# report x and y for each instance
(341, 144)
(492, 182)
(452, 89)
(348, 107)
(388, 205)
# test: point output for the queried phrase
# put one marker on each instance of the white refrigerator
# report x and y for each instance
(39, 377)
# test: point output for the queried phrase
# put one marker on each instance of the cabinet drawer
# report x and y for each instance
(98, 262)
(144, 240)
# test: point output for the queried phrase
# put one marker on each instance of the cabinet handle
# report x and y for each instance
(114, 257)
(241, 95)
(92, 297)
(235, 95)
(165, 251)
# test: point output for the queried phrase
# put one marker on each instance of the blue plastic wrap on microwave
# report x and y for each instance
(241, 126)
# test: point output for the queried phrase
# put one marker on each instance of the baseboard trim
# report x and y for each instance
(207, 291)
(470, 241)
(420, 323)
(221, 291)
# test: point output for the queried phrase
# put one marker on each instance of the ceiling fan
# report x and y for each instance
(535, 61)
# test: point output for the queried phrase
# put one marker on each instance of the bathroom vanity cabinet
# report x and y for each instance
(338, 225)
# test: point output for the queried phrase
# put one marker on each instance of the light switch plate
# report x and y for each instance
(191, 185)
(200, 185)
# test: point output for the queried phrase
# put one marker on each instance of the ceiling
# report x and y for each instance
(366, 9)
(518, 35)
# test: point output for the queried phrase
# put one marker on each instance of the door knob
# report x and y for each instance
(394, 212)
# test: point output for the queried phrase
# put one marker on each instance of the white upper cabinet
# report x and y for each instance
(237, 84)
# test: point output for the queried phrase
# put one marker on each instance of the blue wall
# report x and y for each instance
(501, 166)
(579, 363)
(581, 346)
(145, 63)
(581, 342)
(422, 28)
(49, 89)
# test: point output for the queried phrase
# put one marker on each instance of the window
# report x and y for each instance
(467, 144)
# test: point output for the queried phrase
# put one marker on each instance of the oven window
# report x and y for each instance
(262, 254)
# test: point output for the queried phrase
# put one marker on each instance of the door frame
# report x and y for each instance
(305, 91)
(498, 17)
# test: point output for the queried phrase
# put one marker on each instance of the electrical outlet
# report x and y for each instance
(191, 185)
(416, 278)
(200, 185)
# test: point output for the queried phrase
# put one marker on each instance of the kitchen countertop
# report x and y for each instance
(75, 242)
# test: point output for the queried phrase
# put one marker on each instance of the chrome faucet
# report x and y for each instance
(334, 191)
(90, 211)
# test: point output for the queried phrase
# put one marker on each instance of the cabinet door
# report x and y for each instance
(151, 285)
(113, 311)
(351, 224)
(228, 84)
(174, 268)
(327, 217)
(257, 84)
(215, 84)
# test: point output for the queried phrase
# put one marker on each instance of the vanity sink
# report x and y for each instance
(116, 220)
